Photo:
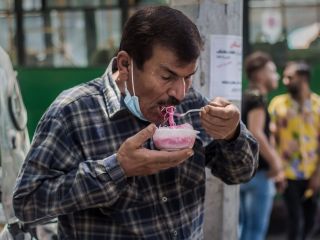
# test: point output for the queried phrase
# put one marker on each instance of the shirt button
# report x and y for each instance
(175, 233)
(164, 199)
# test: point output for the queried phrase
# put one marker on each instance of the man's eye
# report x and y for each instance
(188, 78)
(166, 77)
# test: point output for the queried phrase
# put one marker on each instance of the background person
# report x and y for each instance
(256, 196)
(296, 122)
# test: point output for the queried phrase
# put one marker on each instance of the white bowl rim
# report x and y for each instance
(166, 129)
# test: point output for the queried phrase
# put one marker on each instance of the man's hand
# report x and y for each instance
(138, 161)
(220, 118)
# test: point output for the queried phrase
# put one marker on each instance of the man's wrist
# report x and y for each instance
(234, 135)
(115, 171)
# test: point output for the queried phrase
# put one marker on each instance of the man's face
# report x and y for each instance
(291, 80)
(163, 81)
(271, 76)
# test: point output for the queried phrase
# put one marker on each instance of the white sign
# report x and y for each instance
(226, 67)
(271, 25)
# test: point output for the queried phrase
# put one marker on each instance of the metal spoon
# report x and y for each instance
(187, 112)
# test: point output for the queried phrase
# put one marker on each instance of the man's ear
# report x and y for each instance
(123, 60)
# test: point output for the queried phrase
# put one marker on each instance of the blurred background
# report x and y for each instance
(50, 41)
(56, 44)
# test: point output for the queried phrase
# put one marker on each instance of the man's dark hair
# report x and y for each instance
(161, 25)
(255, 62)
(301, 69)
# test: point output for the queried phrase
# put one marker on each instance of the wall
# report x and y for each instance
(40, 86)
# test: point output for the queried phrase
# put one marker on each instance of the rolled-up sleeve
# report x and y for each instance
(233, 161)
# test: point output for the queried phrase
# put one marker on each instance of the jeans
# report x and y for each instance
(256, 199)
(301, 210)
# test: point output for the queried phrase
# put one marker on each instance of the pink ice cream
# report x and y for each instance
(175, 137)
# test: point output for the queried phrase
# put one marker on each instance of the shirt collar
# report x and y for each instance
(306, 106)
(113, 98)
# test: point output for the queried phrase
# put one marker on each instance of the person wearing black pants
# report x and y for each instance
(301, 209)
(295, 125)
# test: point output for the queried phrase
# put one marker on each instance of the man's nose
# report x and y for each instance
(178, 89)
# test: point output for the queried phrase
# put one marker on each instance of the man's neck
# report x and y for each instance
(302, 96)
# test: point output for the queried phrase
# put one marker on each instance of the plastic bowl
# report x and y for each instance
(174, 138)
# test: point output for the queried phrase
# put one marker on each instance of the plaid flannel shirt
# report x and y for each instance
(71, 171)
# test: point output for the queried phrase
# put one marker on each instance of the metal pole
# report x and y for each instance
(245, 31)
(91, 32)
(124, 6)
(47, 30)
(19, 38)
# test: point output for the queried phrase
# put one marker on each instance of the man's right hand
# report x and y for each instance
(138, 161)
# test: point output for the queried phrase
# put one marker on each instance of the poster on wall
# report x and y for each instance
(226, 67)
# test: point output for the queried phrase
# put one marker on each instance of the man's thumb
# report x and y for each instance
(220, 102)
(141, 137)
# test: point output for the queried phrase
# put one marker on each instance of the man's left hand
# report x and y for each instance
(220, 118)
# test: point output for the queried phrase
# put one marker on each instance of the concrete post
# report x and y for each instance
(215, 17)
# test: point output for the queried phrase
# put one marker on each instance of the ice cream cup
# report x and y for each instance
(171, 139)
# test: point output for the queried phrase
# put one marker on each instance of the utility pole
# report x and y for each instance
(219, 17)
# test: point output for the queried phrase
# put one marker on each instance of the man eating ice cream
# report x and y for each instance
(92, 163)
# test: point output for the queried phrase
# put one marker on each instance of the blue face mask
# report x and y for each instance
(132, 102)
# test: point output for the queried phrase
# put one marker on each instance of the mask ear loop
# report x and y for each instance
(184, 87)
(134, 92)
